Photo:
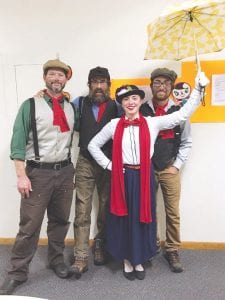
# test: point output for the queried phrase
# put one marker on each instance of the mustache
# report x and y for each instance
(99, 90)
(55, 81)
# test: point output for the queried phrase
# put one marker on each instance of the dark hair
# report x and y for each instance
(98, 72)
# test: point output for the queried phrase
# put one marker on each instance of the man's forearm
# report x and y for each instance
(20, 168)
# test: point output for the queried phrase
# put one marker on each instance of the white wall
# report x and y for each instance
(86, 34)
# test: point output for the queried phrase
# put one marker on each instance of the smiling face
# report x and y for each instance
(131, 105)
(181, 91)
(55, 81)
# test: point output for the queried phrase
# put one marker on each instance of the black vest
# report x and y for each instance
(89, 127)
(165, 150)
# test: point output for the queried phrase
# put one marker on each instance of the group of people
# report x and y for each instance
(127, 149)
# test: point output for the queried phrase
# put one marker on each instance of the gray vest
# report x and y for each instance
(54, 145)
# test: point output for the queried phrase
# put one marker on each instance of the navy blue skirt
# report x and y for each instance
(127, 237)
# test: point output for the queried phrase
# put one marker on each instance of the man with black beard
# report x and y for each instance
(95, 110)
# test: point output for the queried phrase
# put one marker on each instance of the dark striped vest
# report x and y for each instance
(165, 150)
(89, 127)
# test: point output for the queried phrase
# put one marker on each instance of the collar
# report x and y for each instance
(170, 103)
(49, 100)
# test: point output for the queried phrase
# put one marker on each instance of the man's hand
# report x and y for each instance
(23, 182)
(172, 170)
(24, 186)
(40, 94)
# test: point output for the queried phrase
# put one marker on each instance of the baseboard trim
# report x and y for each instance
(42, 242)
(203, 245)
(184, 245)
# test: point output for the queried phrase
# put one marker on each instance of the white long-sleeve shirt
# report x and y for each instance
(130, 142)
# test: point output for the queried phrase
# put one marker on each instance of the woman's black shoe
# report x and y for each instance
(129, 275)
(140, 274)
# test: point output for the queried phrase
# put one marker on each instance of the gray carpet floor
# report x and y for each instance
(203, 279)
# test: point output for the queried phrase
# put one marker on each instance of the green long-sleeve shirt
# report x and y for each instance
(22, 128)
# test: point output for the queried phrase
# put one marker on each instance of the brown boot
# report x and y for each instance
(174, 261)
(80, 266)
(99, 252)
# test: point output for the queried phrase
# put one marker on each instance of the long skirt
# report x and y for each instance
(127, 237)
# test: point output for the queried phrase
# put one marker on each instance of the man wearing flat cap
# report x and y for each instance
(171, 151)
(95, 111)
(40, 149)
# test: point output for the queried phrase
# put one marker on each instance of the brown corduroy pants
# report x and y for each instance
(170, 186)
(52, 192)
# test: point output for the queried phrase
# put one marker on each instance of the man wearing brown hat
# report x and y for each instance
(95, 111)
(40, 148)
(170, 152)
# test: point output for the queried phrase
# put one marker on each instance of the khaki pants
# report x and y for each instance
(88, 176)
(170, 186)
(52, 191)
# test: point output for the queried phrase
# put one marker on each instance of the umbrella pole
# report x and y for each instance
(197, 60)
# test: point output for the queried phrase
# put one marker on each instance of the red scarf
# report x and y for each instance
(59, 117)
(101, 110)
(160, 111)
(118, 205)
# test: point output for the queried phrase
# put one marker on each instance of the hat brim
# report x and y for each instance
(164, 75)
(129, 93)
(56, 64)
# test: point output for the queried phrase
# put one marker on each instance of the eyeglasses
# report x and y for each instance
(158, 83)
(100, 81)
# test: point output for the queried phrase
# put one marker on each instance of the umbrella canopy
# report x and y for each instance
(192, 26)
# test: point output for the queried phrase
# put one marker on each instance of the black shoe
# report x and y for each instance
(9, 286)
(99, 252)
(129, 275)
(61, 270)
(158, 246)
(140, 274)
(174, 261)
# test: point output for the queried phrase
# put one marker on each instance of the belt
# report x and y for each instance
(45, 165)
(135, 167)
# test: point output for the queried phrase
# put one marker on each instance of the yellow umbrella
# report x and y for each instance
(192, 28)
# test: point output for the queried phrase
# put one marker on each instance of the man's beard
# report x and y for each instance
(98, 96)
(161, 98)
(55, 89)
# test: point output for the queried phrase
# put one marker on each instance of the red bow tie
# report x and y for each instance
(135, 122)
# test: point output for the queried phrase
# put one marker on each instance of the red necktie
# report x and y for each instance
(101, 110)
(160, 111)
(59, 114)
